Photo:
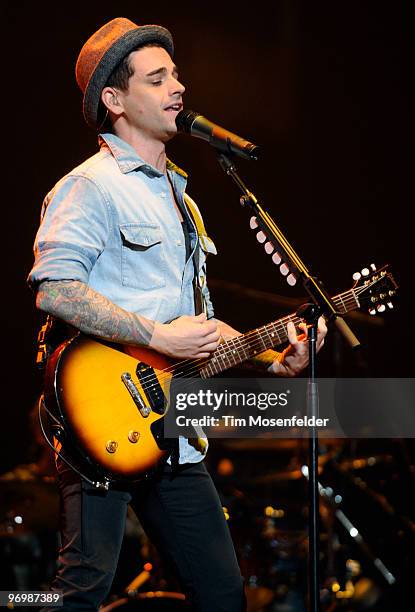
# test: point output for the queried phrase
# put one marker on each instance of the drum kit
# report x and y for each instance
(365, 533)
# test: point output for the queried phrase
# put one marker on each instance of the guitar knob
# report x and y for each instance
(133, 436)
(261, 237)
(111, 446)
(365, 272)
(357, 276)
(253, 223)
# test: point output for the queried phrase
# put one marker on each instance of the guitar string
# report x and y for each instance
(198, 364)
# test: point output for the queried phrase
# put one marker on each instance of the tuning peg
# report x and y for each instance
(276, 258)
(372, 311)
(357, 276)
(365, 272)
(253, 224)
(381, 307)
(390, 305)
(291, 280)
(261, 237)
(373, 267)
(269, 247)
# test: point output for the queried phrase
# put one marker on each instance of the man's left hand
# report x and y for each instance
(295, 357)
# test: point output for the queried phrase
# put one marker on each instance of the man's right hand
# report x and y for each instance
(186, 337)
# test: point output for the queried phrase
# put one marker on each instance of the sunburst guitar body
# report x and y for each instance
(98, 394)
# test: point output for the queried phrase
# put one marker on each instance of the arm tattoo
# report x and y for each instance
(92, 313)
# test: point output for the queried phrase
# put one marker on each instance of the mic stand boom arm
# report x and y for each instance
(298, 269)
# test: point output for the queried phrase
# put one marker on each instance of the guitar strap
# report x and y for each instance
(199, 442)
(200, 302)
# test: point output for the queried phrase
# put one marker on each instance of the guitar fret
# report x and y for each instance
(234, 355)
(277, 333)
(266, 346)
(240, 349)
(340, 299)
(354, 296)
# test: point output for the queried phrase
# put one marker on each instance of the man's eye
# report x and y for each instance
(156, 82)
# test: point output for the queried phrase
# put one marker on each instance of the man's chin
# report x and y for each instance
(170, 133)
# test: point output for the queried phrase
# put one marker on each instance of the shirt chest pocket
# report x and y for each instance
(143, 263)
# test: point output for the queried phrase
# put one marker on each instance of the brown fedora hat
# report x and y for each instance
(104, 50)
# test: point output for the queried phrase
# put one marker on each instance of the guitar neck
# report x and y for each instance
(242, 348)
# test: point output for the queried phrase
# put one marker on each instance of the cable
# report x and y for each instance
(95, 483)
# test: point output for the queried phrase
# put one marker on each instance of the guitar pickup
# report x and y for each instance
(152, 388)
(135, 394)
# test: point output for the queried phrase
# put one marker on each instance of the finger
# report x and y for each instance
(210, 327)
(210, 347)
(303, 325)
(322, 326)
(200, 318)
(320, 343)
(213, 337)
(292, 334)
(201, 356)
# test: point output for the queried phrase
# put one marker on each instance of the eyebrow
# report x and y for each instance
(162, 70)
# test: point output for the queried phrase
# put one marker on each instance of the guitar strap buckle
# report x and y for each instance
(43, 351)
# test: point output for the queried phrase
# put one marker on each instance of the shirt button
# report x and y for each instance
(163, 195)
(179, 243)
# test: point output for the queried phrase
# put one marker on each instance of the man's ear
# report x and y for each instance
(110, 99)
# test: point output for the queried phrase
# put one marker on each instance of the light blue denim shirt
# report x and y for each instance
(111, 223)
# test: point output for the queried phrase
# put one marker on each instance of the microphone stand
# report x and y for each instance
(321, 305)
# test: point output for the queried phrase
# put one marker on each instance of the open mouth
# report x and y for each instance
(174, 108)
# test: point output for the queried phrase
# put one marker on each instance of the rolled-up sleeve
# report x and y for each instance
(74, 229)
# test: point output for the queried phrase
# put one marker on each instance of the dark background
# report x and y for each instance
(326, 88)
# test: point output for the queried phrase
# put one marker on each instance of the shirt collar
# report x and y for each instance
(127, 158)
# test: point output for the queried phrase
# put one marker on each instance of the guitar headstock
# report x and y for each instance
(375, 288)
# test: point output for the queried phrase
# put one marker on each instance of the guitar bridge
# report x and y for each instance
(135, 394)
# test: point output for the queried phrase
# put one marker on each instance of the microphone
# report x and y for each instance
(196, 125)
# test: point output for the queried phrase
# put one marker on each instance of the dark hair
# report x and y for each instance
(120, 78)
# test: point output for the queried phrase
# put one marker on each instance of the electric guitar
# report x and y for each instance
(109, 400)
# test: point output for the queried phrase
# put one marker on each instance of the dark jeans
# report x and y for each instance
(182, 515)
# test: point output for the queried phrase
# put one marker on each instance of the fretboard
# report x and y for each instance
(242, 348)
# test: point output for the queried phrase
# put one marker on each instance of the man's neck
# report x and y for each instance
(150, 150)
